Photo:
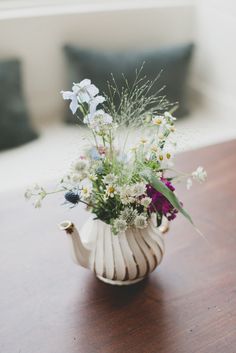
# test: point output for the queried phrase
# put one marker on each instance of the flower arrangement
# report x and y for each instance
(123, 186)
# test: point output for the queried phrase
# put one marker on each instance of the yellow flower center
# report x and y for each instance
(168, 155)
(161, 157)
(111, 189)
(158, 121)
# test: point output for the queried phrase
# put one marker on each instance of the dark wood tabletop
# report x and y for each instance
(188, 305)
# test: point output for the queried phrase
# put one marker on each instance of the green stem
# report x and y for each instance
(55, 192)
(49, 192)
(83, 110)
(125, 141)
(104, 142)
(110, 143)
(87, 204)
(95, 138)
(178, 172)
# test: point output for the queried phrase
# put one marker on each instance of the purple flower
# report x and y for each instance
(160, 203)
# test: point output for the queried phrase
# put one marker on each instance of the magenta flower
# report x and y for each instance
(160, 203)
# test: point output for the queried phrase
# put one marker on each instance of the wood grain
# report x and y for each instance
(188, 305)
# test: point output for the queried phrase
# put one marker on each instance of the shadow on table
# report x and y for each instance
(114, 313)
(120, 296)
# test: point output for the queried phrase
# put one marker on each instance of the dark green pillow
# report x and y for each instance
(98, 66)
(15, 128)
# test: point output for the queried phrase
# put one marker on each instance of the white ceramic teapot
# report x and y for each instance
(121, 259)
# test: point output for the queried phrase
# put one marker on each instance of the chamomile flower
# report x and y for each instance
(159, 120)
(160, 157)
(86, 189)
(85, 193)
(111, 191)
(165, 157)
(168, 155)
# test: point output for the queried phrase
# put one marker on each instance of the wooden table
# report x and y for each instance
(188, 305)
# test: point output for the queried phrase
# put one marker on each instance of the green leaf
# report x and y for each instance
(149, 176)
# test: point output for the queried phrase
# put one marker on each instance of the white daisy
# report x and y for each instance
(86, 189)
(111, 190)
(165, 157)
(159, 120)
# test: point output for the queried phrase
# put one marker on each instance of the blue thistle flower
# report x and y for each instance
(72, 197)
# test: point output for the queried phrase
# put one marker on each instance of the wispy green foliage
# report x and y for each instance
(136, 100)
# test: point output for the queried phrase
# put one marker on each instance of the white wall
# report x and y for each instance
(38, 40)
(215, 55)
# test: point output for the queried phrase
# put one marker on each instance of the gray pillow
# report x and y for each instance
(15, 128)
(98, 66)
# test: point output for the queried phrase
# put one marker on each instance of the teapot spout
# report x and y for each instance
(80, 253)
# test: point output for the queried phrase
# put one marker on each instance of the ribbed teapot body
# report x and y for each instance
(125, 258)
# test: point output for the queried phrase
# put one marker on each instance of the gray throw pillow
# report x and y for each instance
(15, 128)
(98, 66)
